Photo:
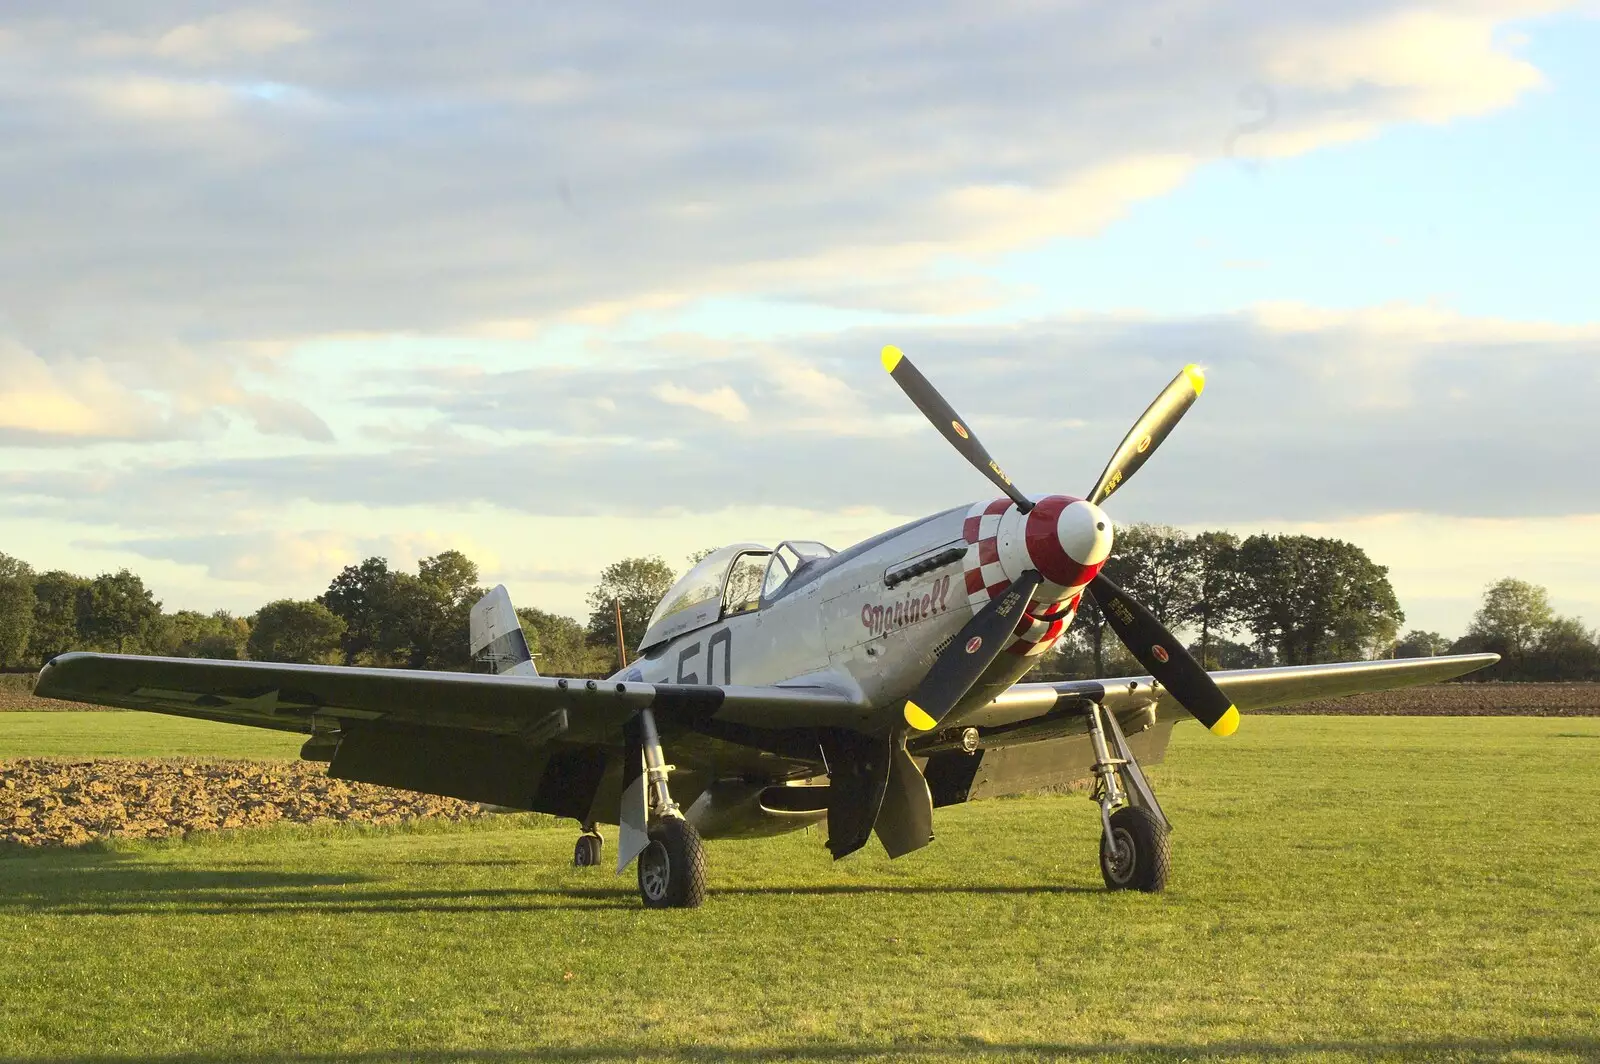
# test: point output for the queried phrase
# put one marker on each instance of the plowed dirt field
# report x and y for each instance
(59, 802)
(16, 696)
(1465, 700)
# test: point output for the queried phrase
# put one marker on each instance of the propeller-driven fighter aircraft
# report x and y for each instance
(793, 685)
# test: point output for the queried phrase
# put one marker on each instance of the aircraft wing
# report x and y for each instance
(308, 698)
(1249, 688)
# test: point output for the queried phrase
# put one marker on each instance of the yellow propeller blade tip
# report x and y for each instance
(917, 718)
(891, 358)
(1228, 724)
(1197, 378)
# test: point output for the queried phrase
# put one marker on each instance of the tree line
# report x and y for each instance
(1301, 600)
(1243, 603)
(370, 614)
(1291, 600)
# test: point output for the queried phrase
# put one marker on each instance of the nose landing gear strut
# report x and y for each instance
(1134, 850)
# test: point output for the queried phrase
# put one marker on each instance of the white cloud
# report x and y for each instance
(295, 557)
(802, 381)
(1440, 65)
(229, 34)
(68, 399)
(1419, 324)
(160, 99)
(72, 400)
(721, 402)
(991, 218)
(498, 171)
(1310, 424)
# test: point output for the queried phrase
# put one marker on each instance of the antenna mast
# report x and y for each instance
(622, 647)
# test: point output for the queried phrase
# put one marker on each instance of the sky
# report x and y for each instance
(286, 285)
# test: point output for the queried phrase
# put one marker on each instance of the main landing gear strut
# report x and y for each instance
(672, 859)
(1134, 852)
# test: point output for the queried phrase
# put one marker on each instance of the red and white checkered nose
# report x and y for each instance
(1068, 540)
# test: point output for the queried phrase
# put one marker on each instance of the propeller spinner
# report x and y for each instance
(1060, 543)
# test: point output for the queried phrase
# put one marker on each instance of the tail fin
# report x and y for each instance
(497, 639)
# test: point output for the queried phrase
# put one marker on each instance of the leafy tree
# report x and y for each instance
(1316, 599)
(640, 584)
(191, 634)
(117, 610)
(1226, 654)
(291, 631)
(361, 596)
(1219, 604)
(58, 603)
(1420, 644)
(1513, 617)
(1090, 626)
(1566, 651)
(1089, 650)
(16, 611)
(1072, 658)
(1517, 622)
(394, 618)
(1155, 564)
(453, 577)
(437, 608)
(405, 628)
(560, 645)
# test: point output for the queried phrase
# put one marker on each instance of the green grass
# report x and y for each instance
(48, 734)
(1343, 889)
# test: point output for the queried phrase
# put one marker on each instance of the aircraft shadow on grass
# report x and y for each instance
(1448, 1048)
(111, 890)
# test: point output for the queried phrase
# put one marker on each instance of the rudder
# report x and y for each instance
(497, 639)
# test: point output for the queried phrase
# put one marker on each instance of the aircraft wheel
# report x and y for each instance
(586, 853)
(672, 869)
(1141, 857)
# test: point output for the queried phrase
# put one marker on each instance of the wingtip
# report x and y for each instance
(891, 357)
(1227, 724)
(1197, 378)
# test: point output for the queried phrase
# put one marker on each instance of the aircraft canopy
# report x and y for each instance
(729, 580)
(696, 599)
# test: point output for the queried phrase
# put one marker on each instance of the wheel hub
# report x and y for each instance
(655, 872)
(1120, 855)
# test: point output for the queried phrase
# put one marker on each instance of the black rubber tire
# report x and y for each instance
(1146, 867)
(586, 854)
(672, 869)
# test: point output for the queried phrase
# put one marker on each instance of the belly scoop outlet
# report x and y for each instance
(733, 809)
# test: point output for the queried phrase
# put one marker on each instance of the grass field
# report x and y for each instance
(1343, 889)
(50, 734)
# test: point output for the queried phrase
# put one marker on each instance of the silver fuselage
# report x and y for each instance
(843, 628)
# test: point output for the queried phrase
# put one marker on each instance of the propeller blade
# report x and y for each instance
(1148, 432)
(949, 423)
(1159, 651)
(969, 654)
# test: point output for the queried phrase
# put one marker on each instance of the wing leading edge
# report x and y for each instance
(1250, 689)
(311, 698)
